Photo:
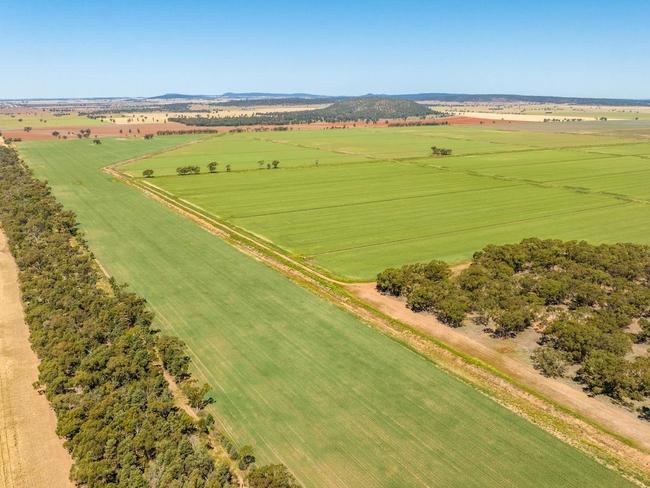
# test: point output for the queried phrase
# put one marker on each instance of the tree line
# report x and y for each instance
(591, 303)
(100, 359)
(369, 109)
(212, 168)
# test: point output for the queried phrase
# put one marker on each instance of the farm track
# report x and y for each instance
(564, 424)
(31, 454)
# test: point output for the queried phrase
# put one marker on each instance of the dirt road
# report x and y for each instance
(31, 454)
(600, 409)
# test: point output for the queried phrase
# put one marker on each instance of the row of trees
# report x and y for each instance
(212, 168)
(590, 302)
(99, 357)
(188, 170)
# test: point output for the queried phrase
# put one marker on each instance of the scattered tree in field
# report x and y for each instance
(147, 173)
(212, 167)
(228, 168)
(261, 164)
(27, 129)
(97, 141)
(55, 133)
(148, 136)
(440, 151)
(188, 170)
(275, 163)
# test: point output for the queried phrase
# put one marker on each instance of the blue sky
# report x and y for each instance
(142, 48)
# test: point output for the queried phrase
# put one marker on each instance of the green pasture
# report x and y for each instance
(45, 119)
(311, 148)
(241, 152)
(304, 382)
(357, 216)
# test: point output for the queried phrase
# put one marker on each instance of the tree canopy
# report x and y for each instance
(585, 299)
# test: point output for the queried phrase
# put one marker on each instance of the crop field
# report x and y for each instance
(45, 119)
(378, 199)
(337, 146)
(304, 382)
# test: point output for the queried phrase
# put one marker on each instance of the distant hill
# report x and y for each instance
(366, 108)
(262, 95)
(374, 108)
(295, 98)
(237, 96)
(250, 102)
(180, 96)
(496, 98)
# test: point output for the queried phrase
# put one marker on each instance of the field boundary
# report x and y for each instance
(608, 448)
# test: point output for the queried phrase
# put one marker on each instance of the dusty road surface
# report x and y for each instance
(600, 409)
(31, 454)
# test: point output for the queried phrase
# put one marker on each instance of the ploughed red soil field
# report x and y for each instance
(109, 130)
(139, 130)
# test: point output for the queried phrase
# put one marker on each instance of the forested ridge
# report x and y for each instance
(366, 109)
(590, 303)
(100, 360)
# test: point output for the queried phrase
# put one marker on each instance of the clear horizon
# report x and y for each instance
(117, 49)
(261, 92)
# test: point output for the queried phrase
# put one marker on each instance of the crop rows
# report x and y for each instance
(303, 381)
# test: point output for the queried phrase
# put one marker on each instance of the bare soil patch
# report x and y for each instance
(137, 129)
(502, 116)
(31, 454)
(511, 358)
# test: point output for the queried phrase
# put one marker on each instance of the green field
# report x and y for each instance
(378, 199)
(304, 148)
(45, 119)
(304, 382)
